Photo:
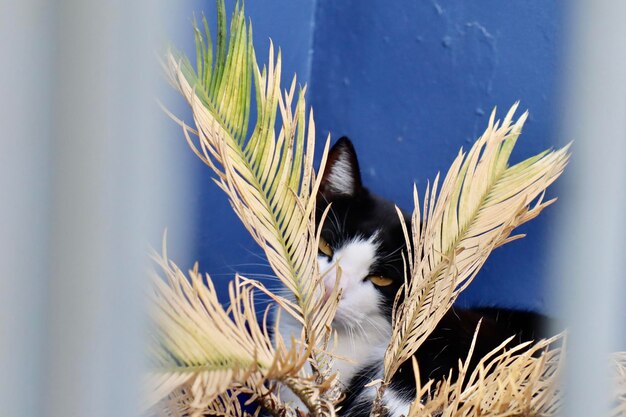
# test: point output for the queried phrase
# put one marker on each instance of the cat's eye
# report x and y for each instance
(380, 281)
(325, 248)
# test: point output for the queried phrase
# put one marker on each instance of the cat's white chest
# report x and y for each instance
(356, 350)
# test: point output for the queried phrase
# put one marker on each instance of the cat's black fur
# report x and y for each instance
(356, 211)
(362, 213)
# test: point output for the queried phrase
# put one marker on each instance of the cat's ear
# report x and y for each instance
(341, 174)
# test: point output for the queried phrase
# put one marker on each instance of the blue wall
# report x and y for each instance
(410, 83)
(414, 82)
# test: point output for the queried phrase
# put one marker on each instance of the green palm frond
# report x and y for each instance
(482, 199)
(269, 179)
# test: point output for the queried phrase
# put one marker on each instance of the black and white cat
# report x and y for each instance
(362, 235)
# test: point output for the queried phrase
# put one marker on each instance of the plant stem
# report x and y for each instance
(377, 406)
(313, 407)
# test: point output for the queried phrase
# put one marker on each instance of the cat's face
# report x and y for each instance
(362, 238)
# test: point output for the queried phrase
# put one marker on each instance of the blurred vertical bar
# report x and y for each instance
(108, 173)
(82, 172)
(589, 265)
(25, 30)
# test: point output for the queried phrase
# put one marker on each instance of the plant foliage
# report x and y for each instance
(205, 356)
(481, 201)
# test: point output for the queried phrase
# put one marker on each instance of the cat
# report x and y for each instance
(362, 234)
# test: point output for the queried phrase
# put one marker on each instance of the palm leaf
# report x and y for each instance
(199, 343)
(482, 199)
(182, 402)
(269, 179)
(200, 351)
(521, 381)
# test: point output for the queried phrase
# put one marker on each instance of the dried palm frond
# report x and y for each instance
(521, 381)
(202, 353)
(180, 403)
(197, 341)
(482, 199)
(269, 180)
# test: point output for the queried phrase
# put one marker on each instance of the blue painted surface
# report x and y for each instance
(413, 82)
(410, 82)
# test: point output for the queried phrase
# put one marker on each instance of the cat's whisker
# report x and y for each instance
(345, 219)
(353, 338)
(440, 352)
(338, 227)
(395, 268)
(256, 255)
(359, 328)
(398, 249)
(222, 274)
(266, 277)
(377, 327)
(391, 260)
(350, 329)
(264, 265)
